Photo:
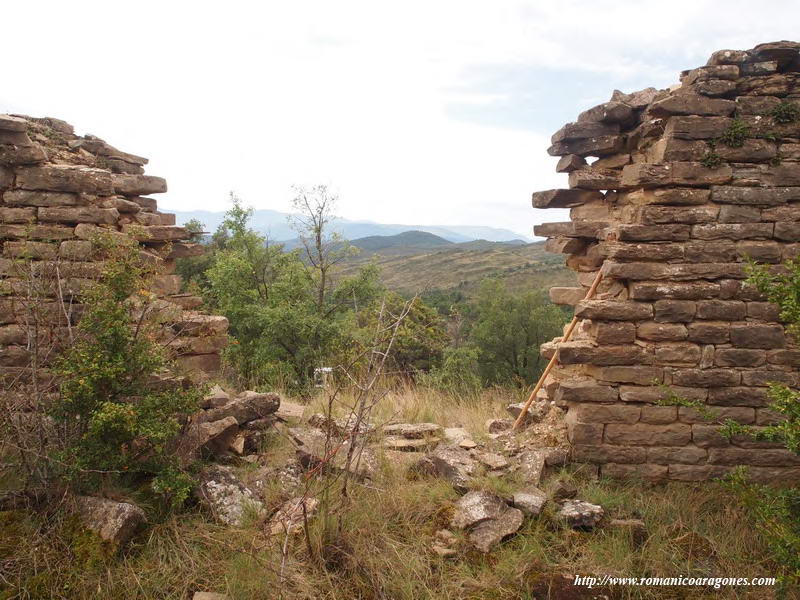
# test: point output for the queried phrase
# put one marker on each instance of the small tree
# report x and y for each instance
(323, 248)
(116, 424)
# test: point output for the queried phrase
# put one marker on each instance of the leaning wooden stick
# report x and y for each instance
(551, 364)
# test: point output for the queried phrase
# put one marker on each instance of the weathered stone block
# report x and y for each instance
(619, 332)
(760, 196)
(608, 112)
(732, 213)
(639, 471)
(576, 390)
(613, 310)
(661, 332)
(787, 232)
(659, 415)
(758, 457)
(583, 130)
(766, 377)
(784, 357)
(589, 434)
(594, 178)
(606, 413)
(638, 375)
(643, 434)
(689, 104)
(566, 296)
(653, 290)
(657, 252)
(158, 233)
(137, 185)
(569, 162)
(596, 146)
(734, 231)
(721, 310)
(740, 414)
(572, 353)
(680, 472)
(674, 311)
(564, 198)
(677, 354)
(650, 233)
(78, 214)
(604, 453)
(674, 271)
(705, 377)
(755, 335)
(75, 250)
(659, 215)
(708, 436)
(39, 198)
(738, 396)
(690, 455)
(17, 215)
(30, 250)
(739, 357)
(65, 178)
(653, 394)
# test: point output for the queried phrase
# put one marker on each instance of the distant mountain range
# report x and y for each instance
(274, 224)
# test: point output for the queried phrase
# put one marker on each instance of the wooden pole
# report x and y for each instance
(567, 335)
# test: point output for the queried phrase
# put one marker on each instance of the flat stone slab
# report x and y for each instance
(402, 444)
(413, 430)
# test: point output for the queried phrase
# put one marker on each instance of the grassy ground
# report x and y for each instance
(376, 542)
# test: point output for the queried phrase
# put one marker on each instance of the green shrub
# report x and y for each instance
(736, 134)
(785, 112)
(458, 372)
(117, 426)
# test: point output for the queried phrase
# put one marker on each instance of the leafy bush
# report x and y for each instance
(458, 372)
(736, 134)
(117, 426)
(785, 112)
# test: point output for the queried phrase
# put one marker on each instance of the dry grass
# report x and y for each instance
(376, 543)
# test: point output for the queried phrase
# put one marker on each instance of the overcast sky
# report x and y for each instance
(425, 112)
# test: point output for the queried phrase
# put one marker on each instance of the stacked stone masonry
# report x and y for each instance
(57, 191)
(688, 184)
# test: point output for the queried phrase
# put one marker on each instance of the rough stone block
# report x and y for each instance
(569, 162)
(661, 332)
(689, 455)
(78, 214)
(739, 357)
(643, 434)
(594, 178)
(680, 472)
(765, 377)
(733, 213)
(65, 178)
(639, 375)
(755, 335)
(653, 290)
(654, 394)
(596, 146)
(619, 332)
(655, 252)
(577, 390)
(659, 215)
(567, 296)
(39, 198)
(733, 231)
(564, 198)
(689, 104)
(137, 185)
(787, 232)
(613, 310)
(606, 413)
(674, 311)
(757, 457)
(693, 127)
(652, 233)
(759, 196)
(708, 436)
(583, 130)
(639, 471)
(677, 354)
(604, 453)
(739, 396)
(710, 378)
(573, 353)
(721, 310)
(740, 414)
(17, 215)
(30, 250)
(659, 415)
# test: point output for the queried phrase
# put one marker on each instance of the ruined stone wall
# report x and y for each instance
(687, 184)
(57, 191)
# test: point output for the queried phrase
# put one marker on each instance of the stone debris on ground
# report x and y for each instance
(563, 489)
(454, 464)
(530, 500)
(114, 522)
(226, 496)
(581, 515)
(318, 449)
(486, 518)
(292, 514)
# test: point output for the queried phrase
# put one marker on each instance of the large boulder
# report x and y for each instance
(229, 500)
(115, 522)
(486, 518)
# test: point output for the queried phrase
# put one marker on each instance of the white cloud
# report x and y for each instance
(258, 96)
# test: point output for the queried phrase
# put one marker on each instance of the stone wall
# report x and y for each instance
(58, 190)
(687, 184)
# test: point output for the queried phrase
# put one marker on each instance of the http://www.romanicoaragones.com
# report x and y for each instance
(590, 581)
